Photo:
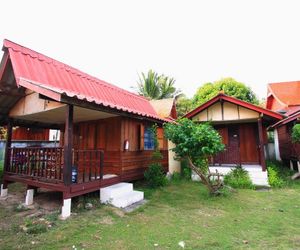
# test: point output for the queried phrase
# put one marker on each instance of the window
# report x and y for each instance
(148, 139)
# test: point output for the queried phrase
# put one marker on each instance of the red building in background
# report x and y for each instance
(284, 97)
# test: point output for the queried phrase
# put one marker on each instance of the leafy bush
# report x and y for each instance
(274, 179)
(238, 178)
(155, 176)
(278, 174)
(176, 177)
(296, 133)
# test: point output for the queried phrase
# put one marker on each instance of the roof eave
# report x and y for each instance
(236, 101)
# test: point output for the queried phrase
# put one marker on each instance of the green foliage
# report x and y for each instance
(196, 142)
(155, 176)
(37, 229)
(176, 177)
(278, 175)
(296, 133)
(183, 105)
(156, 86)
(185, 170)
(238, 178)
(274, 179)
(270, 136)
(193, 140)
(229, 86)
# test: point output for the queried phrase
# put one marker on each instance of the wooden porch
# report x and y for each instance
(44, 167)
(66, 169)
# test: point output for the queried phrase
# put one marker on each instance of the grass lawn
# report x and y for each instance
(182, 211)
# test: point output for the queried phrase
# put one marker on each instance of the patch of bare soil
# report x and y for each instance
(13, 207)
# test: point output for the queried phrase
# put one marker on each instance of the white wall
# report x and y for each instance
(174, 165)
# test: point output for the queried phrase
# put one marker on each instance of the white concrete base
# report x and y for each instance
(4, 192)
(29, 197)
(66, 209)
(257, 176)
(120, 195)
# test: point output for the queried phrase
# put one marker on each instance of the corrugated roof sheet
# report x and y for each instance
(53, 78)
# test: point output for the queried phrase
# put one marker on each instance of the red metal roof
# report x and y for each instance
(236, 101)
(286, 93)
(54, 79)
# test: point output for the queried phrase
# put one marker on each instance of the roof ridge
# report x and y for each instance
(73, 70)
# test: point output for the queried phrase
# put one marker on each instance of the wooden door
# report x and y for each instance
(249, 143)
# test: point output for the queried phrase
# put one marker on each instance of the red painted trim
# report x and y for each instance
(234, 101)
(39, 89)
(287, 120)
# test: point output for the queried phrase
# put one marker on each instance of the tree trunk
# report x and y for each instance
(213, 189)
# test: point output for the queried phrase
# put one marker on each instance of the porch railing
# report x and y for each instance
(48, 163)
(87, 165)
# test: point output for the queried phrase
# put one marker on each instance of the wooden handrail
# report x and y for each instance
(48, 163)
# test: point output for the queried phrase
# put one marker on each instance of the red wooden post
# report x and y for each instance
(101, 164)
(8, 146)
(68, 143)
(261, 145)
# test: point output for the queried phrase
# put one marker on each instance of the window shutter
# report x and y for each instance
(141, 136)
(160, 138)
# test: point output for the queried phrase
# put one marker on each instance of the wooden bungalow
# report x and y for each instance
(242, 126)
(105, 130)
(284, 97)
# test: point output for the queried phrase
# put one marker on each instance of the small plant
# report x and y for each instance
(155, 176)
(238, 178)
(20, 208)
(276, 174)
(176, 177)
(37, 229)
(274, 179)
(35, 226)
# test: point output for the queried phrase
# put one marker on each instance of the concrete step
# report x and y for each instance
(257, 176)
(127, 199)
(110, 192)
(120, 195)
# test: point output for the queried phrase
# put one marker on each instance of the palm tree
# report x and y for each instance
(154, 86)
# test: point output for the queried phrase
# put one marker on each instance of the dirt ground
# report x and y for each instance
(44, 201)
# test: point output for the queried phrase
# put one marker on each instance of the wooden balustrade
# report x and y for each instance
(87, 165)
(48, 163)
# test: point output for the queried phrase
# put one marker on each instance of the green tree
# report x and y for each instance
(154, 86)
(183, 105)
(229, 86)
(296, 133)
(196, 143)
